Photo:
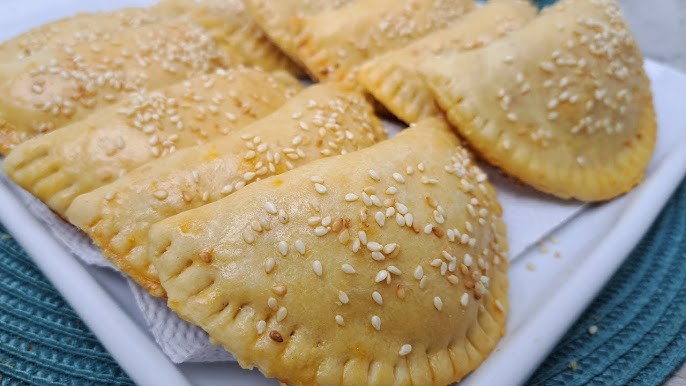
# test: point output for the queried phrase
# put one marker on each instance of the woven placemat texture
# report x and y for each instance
(42, 340)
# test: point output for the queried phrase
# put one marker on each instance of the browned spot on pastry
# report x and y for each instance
(276, 336)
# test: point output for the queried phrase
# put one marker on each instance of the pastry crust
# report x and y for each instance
(334, 294)
(85, 155)
(333, 43)
(565, 104)
(280, 20)
(58, 86)
(393, 80)
(322, 121)
(231, 26)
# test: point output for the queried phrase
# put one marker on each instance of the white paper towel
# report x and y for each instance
(529, 215)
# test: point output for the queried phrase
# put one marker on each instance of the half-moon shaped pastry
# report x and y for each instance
(231, 26)
(58, 86)
(280, 20)
(382, 266)
(85, 155)
(563, 104)
(333, 43)
(322, 121)
(392, 78)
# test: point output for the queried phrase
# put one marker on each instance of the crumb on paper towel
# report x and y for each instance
(593, 330)
(573, 365)
(531, 266)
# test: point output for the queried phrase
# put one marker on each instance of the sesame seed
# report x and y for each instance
(380, 218)
(409, 219)
(381, 276)
(249, 176)
(317, 267)
(423, 282)
(402, 208)
(420, 166)
(326, 221)
(375, 200)
(321, 231)
(281, 314)
(378, 256)
(350, 197)
(269, 265)
(405, 349)
(467, 260)
(270, 207)
(282, 247)
(300, 246)
(363, 237)
(376, 323)
(399, 178)
(374, 175)
(389, 248)
(391, 190)
(316, 179)
(374, 246)
(394, 270)
(512, 117)
(109, 196)
(438, 303)
(499, 305)
(356, 245)
(321, 189)
(464, 299)
(419, 272)
(343, 297)
(261, 326)
(347, 268)
(390, 211)
(453, 279)
(160, 194)
(339, 320)
(365, 198)
(271, 303)
(377, 298)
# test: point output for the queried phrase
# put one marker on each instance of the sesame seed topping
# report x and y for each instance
(363, 237)
(399, 178)
(374, 175)
(300, 246)
(316, 179)
(374, 246)
(429, 228)
(391, 190)
(376, 323)
(281, 314)
(261, 326)
(347, 268)
(405, 349)
(350, 197)
(269, 265)
(464, 299)
(339, 320)
(499, 305)
(377, 298)
(271, 303)
(326, 221)
(248, 176)
(400, 219)
(419, 272)
(402, 209)
(321, 231)
(160, 194)
(381, 276)
(420, 166)
(394, 270)
(321, 189)
(438, 303)
(409, 219)
(343, 297)
(423, 282)
(365, 198)
(317, 267)
(389, 248)
(453, 279)
(380, 218)
(109, 196)
(378, 256)
(270, 207)
(390, 211)
(282, 247)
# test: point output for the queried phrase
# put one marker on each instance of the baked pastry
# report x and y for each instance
(383, 266)
(321, 121)
(83, 26)
(280, 20)
(334, 42)
(230, 25)
(392, 78)
(95, 151)
(58, 86)
(566, 106)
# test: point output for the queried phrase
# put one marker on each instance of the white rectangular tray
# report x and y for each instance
(545, 301)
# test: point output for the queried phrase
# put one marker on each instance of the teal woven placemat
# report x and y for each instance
(640, 315)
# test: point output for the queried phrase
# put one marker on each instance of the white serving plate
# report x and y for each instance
(545, 301)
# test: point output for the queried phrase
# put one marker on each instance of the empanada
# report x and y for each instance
(55, 87)
(90, 153)
(383, 266)
(563, 104)
(333, 43)
(393, 79)
(322, 121)
(280, 20)
(234, 31)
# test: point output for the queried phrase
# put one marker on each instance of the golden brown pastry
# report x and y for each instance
(563, 104)
(232, 28)
(383, 266)
(83, 26)
(392, 78)
(322, 121)
(333, 43)
(55, 87)
(280, 20)
(93, 152)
